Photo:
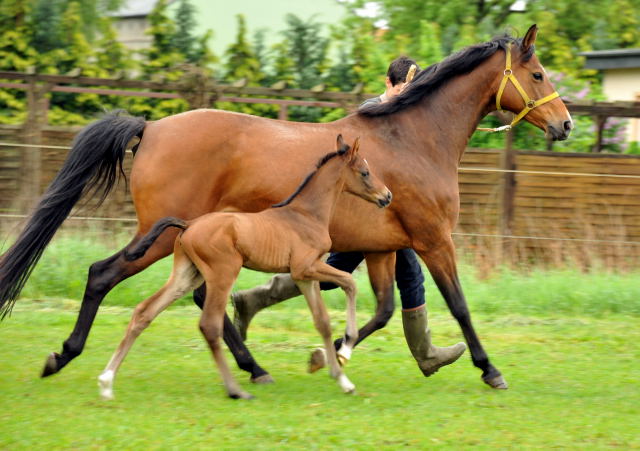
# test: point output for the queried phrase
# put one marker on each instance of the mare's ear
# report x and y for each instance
(529, 38)
(340, 144)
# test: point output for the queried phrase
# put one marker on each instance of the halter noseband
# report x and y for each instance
(529, 104)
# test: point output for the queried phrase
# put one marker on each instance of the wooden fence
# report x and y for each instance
(547, 206)
(515, 206)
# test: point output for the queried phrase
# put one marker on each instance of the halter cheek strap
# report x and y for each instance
(529, 104)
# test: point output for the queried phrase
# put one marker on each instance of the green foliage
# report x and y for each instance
(308, 50)
(242, 62)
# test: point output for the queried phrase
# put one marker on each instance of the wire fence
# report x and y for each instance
(461, 169)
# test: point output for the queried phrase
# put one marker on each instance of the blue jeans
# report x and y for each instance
(409, 277)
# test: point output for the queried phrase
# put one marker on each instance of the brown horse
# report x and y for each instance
(291, 238)
(205, 160)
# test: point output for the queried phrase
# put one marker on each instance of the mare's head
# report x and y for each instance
(524, 88)
(358, 179)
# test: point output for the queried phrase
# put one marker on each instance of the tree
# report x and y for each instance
(241, 59)
(308, 50)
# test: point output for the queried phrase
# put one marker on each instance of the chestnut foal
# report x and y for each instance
(292, 238)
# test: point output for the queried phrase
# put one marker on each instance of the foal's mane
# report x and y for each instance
(308, 178)
(431, 78)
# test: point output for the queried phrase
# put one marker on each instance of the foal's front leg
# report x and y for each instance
(311, 292)
(325, 273)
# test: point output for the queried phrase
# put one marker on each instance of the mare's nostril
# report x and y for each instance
(567, 125)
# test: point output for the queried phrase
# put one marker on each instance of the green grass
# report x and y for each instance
(566, 341)
(62, 274)
(573, 384)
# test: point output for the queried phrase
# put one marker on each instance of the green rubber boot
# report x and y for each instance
(249, 302)
(430, 358)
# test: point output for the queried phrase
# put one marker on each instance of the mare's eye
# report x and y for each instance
(364, 173)
(537, 76)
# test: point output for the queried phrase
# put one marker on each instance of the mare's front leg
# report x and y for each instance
(234, 342)
(184, 277)
(441, 261)
(103, 276)
(311, 291)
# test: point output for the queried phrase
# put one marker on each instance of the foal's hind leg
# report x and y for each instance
(442, 265)
(234, 342)
(311, 292)
(184, 278)
(103, 276)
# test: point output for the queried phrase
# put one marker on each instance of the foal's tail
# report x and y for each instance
(141, 247)
(92, 166)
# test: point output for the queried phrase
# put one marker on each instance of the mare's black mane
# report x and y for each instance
(431, 78)
(308, 178)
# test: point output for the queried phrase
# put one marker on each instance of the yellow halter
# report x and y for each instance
(528, 102)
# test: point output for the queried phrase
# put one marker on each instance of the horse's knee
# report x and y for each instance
(101, 277)
(383, 315)
(458, 308)
(141, 319)
(210, 329)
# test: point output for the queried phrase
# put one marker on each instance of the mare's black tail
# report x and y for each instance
(141, 247)
(91, 166)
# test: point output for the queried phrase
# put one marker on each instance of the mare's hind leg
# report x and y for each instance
(103, 276)
(234, 342)
(442, 265)
(184, 277)
(311, 292)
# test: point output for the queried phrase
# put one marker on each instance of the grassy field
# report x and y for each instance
(573, 384)
(566, 342)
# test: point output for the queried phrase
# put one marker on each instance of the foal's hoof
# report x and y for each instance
(496, 382)
(264, 379)
(318, 360)
(241, 395)
(51, 365)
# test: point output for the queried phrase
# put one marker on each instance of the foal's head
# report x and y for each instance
(536, 101)
(358, 179)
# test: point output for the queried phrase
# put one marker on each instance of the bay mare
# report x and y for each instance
(206, 160)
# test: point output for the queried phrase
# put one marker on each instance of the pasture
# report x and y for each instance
(566, 342)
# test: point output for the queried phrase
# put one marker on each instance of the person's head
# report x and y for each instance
(397, 75)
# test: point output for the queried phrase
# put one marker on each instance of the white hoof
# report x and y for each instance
(344, 355)
(105, 383)
(346, 385)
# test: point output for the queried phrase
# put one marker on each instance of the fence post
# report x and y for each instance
(37, 109)
(600, 122)
(508, 162)
(283, 114)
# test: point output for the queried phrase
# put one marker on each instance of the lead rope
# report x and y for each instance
(530, 104)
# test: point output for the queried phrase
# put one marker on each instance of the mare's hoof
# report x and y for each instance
(241, 395)
(264, 379)
(51, 365)
(318, 360)
(496, 382)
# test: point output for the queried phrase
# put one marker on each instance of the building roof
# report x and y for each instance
(613, 59)
(136, 8)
